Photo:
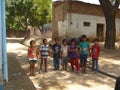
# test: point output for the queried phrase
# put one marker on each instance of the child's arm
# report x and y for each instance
(28, 55)
(89, 50)
(61, 52)
(77, 51)
(37, 52)
(99, 50)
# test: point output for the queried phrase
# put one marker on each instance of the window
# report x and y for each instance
(86, 24)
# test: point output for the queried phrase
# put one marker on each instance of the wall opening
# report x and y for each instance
(100, 32)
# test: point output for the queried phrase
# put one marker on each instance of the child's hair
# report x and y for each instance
(31, 42)
(96, 40)
(64, 40)
(44, 40)
(84, 36)
(73, 40)
(57, 38)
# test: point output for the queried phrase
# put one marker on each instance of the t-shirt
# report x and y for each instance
(56, 49)
(32, 54)
(84, 47)
(95, 51)
(44, 49)
(64, 50)
(73, 54)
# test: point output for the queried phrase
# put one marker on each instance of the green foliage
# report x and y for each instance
(21, 13)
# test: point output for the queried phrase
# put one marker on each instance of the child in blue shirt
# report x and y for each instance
(56, 54)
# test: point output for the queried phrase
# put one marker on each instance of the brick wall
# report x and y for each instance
(16, 33)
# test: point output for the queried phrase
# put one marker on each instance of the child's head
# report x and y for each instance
(45, 41)
(32, 43)
(84, 38)
(57, 40)
(96, 41)
(64, 42)
(73, 42)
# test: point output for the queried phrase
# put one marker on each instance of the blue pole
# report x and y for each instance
(4, 52)
(1, 69)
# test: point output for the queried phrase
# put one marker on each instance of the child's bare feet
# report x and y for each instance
(39, 72)
(30, 74)
(33, 74)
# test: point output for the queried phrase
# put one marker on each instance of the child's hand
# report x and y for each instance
(90, 55)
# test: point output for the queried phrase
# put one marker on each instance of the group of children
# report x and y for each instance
(67, 53)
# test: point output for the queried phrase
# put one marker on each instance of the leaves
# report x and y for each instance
(21, 13)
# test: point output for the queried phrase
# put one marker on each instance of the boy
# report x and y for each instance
(84, 52)
(44, 52)
(95, 55)
(73, 55)
(64, 54)
(56, 54)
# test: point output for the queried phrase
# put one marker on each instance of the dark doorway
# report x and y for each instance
(100, 32)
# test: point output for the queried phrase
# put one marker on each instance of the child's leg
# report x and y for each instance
(41, 63)
(55, 63)
(82, 63)
(72, 64)
(77, 64)
(62, 63)
(30, 70)
(33, 68)
(82, 66)
(45, 61)
(85, 67)
(97, 66)
(66, 63)
(93, 64)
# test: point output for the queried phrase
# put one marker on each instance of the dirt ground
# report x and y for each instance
(58, 80)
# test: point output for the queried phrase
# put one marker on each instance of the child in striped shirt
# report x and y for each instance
(44, 53)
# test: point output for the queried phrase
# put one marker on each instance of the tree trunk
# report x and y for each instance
(110, 31)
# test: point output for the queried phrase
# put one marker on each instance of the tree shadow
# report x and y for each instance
(18, 80)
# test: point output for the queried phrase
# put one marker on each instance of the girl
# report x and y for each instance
(32, 57)
(73, 55)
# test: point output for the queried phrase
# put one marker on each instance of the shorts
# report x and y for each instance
(32, 61)
(64, 61)
(83, 58)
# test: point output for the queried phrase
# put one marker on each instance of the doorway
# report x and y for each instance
(100, 32)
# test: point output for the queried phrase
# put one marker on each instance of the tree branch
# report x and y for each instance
(21, 23)
(105, 3)
(116, 5)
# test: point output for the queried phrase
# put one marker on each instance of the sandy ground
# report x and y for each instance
(58, 80)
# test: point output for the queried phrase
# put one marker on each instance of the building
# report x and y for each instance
(74, 18)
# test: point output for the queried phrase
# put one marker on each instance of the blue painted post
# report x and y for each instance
(1, 76)
(4, 52)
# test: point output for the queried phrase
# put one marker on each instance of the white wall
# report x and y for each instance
(62, 28)
(77, 28)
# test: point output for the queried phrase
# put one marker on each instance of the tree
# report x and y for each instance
(110, 8)
(21, 13)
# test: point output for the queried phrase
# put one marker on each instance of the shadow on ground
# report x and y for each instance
(18, 80)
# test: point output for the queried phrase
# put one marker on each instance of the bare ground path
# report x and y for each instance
(57, 80)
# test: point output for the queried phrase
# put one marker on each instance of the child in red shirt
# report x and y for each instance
(95, 51)
(32, 57)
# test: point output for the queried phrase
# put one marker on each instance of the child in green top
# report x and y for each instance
(84, 52)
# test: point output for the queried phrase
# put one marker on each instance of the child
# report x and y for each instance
(95, 54)
(84, 52)
(64, 54)
(56, 54)
(44, 52)
(73, 55)
(32, 57)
